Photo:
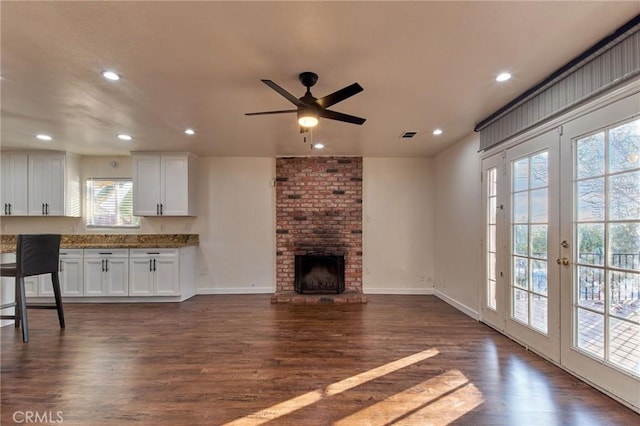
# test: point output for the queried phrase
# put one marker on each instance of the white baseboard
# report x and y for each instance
(236, 290)
(459, 306)
(395, 290)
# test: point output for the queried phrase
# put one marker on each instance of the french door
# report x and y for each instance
(522, 294)
(562, 246)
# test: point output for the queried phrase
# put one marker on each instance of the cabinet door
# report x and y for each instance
(141, 276)
(174, 185)
(46, 184)
(167, 276)
(117, 277)
(71, 277)
(32, 285)
(38, 171)
(93, 277)
(146, 185)
(13, 191)
(55, 197)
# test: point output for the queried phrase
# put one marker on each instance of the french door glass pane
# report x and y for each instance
(607, 228)
(591, 243)
(624, 196)
(591, 288)
(590, 336)
(590, 155)
(590, 194)
(624, 147)
(624, 343)
(539, 241)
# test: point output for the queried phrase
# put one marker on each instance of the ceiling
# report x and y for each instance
(423, 65)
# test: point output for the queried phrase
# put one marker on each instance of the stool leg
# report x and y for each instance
(55, 280)
(17, 307)
(22, 302)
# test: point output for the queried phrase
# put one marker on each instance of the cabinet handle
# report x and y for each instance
(154, 264)
(9, 208)
(161, 209)
(106, 265)
(46, 208)
(150, 267)
(102, 263)
(157, 209)
(5, 208)
(60, 269)
(42, 209)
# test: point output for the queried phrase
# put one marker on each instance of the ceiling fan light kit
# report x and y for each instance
(310, 108)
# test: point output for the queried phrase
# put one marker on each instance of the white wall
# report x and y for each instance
(398, 225)
(457, 217)
(236, 223)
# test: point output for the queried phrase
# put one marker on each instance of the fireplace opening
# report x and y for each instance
(319, 274)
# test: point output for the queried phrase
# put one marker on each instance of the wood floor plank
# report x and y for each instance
(240, 360)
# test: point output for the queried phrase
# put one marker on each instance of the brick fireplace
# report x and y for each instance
(318, 213)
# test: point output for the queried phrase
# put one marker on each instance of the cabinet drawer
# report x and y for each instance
(107, 252)
(162, 252)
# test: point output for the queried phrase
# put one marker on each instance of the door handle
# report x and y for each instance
(564, 261)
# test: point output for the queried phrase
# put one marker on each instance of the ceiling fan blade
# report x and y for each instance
(271, 112)
(283, 92)
(333, 115)
(339, 95)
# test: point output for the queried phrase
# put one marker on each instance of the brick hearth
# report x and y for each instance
(318, 209)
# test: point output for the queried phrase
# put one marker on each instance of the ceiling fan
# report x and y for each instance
(311, 108)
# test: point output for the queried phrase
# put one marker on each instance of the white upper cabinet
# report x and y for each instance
(53, 184)
(14, 177)
(164, 184)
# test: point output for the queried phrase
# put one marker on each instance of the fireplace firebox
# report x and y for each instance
(319, 274)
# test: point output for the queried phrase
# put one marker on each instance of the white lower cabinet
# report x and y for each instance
(154, 272)
(117, 275)
(70, 274)
(106, 272)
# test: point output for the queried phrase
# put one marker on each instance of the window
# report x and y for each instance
(110, 203)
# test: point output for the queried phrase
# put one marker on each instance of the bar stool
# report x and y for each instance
(36, 254)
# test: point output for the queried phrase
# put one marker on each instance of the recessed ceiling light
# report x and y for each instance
(503, 76)
(124, 137)
(318, 146)
(437, 132)
(110, 75)
(190, 132)
(43, 137)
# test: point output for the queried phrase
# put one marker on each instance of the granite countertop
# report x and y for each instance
(81, 241)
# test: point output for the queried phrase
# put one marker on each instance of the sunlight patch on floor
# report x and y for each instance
(437, 401)
(299, 402)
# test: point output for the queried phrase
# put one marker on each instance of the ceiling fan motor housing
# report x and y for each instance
(308, 78)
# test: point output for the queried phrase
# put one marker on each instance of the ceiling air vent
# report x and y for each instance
(408, 135)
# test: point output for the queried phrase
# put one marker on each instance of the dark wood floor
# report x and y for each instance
(212, 360)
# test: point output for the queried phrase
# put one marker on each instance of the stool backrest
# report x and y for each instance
(37, 254)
